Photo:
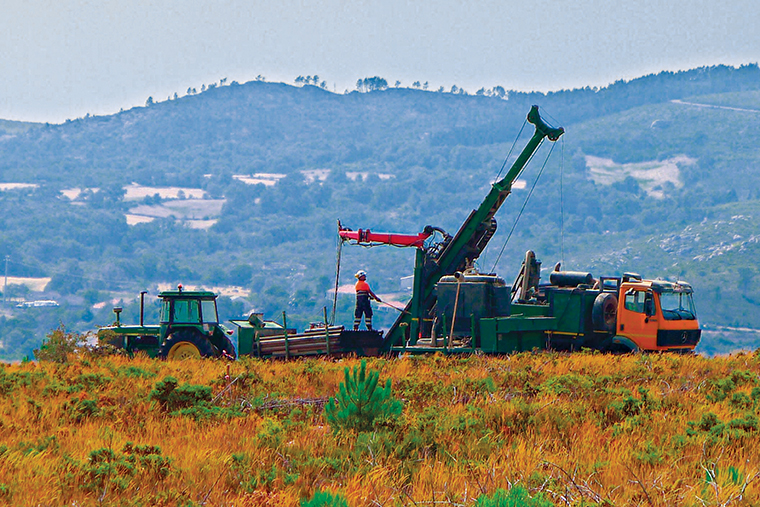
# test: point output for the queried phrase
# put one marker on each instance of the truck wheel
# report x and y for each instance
(185, 344)
(604, 312)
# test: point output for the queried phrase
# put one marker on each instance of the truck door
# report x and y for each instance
(637, 319)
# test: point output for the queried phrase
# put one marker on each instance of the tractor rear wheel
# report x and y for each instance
(185, 344)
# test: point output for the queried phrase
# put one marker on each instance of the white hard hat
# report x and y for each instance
(360, 273)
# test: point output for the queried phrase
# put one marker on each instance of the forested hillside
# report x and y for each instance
(239, 188)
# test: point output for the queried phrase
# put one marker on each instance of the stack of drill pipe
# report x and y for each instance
(309, 342)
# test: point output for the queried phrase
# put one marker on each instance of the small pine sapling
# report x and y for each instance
(361, 401)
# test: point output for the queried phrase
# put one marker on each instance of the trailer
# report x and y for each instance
(269, 339)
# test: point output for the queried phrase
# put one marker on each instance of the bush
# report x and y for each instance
(190, 400)
(58, 344)
(325, 499)
(517, 496)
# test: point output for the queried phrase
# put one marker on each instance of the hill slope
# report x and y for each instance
(644, 169)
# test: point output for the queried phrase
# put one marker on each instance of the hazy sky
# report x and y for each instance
(65, 58)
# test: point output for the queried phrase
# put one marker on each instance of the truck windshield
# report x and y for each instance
(677, 306)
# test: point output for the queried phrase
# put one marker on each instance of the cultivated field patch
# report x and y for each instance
(651, 176)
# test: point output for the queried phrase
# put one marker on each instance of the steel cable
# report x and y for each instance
(517, 219)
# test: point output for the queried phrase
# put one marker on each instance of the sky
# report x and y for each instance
(64, 59)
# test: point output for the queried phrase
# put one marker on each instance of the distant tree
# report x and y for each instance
(258, 78)
(315, 79)
(416, 84)
(149, 102)
(398, 83)
(323, 85)
(222, 81)
(481, 92)
(370, 84)
(203, 88)
(376, 83)
(499, 92)
(300, 80)
(454, 89)
(440, 89)
(176, 96)
(425, 85)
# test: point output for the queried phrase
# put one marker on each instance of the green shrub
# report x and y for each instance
(134, 372)
(325, 499)
(80, 409)
(108, 468)
(174, 397)
(517, 496)
(189, 400)
(360, 401)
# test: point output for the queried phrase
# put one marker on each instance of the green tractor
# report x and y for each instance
(189, 328)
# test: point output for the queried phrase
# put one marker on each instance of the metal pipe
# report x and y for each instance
(458, 277)
(285, 328)
(142, 307)
(327, 331)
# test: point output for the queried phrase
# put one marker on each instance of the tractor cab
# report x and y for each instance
(190, 326)
(188, 307)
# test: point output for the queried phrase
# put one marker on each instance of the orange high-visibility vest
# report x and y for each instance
(362, 288)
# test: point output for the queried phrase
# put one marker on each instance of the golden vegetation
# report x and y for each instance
(578, 429)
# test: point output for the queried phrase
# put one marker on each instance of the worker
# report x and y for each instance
(363, 295)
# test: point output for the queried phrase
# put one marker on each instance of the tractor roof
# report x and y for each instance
(202, 294)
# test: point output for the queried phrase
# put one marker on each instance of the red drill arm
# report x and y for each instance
(367, 236)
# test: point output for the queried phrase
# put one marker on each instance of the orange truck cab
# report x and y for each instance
(656, 315)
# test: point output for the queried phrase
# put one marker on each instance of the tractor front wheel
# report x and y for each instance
(185, 344)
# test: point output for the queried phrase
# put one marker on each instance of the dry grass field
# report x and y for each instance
(579, 429)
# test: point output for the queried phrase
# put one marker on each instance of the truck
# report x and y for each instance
(454, 308)
(481, 312)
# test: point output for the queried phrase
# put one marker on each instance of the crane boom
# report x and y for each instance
(468, 243)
